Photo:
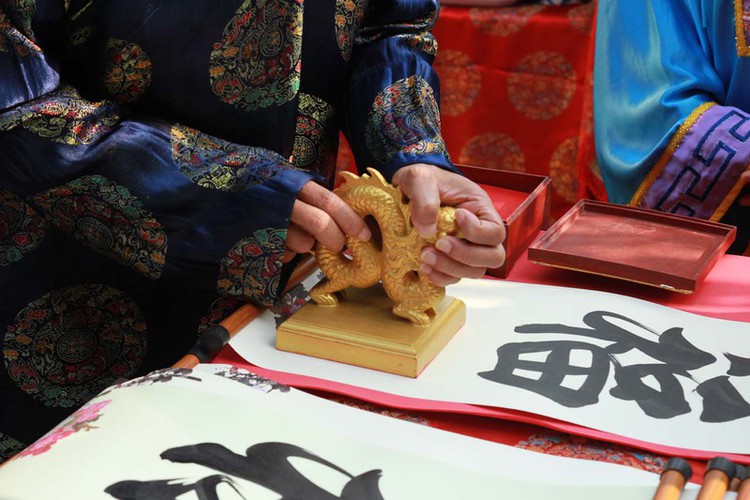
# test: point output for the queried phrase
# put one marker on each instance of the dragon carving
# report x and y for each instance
(395, 261)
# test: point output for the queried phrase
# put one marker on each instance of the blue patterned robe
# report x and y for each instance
(151, 151)
(671, 99)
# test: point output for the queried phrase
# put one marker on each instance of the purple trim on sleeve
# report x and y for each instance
(705, 166)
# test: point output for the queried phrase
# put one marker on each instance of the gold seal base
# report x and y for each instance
(362, 331)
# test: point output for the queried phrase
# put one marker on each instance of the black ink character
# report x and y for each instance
(740, 367)
(722, 402)
(552, 371)
(170, 489)
(675, 357)
(265, 464)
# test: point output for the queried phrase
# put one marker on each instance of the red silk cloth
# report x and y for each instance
(516, 93)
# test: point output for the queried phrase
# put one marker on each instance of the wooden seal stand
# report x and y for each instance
(375, 309)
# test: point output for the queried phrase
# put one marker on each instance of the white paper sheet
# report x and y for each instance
(496, 308)
(121, 434)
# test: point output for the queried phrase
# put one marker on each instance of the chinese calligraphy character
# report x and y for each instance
(265, 464)
(672, 358)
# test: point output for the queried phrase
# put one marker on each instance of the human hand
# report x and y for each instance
(428, 186)
(320, 215)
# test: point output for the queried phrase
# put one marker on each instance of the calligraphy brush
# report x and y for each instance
(217, 336)
(744, 490)
(719, 473)
(676, 473)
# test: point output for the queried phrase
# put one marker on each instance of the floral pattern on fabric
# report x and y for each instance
(21, 228)
(562, 169)
(105, 217)
(503, 22)
(251, 268)
(81, 420)
(127, 71)
(81, 35)
(461, 82)
(314, 139)
(63, 117)
(493, 150)
(214, 163)
(423, 42)
(257, 62)
(9, 447)
(348, 17)
(405, 119)
(412, 26)
(21, 13)
(564, 445)
(542, 98)
(66, 346)
(582, 17)
(13, 40)
(409, 416)
(218, 311)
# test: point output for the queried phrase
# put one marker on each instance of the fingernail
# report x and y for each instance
(443, 245)
(425, 269)
(427, 231)
(460, 217)
(364, 235)
(287, 257)
(428, 257)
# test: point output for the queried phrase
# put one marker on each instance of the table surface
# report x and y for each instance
(724, 294)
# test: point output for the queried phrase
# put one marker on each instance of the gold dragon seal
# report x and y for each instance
(394, 260)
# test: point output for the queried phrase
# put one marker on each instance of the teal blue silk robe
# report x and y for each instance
(671, 104)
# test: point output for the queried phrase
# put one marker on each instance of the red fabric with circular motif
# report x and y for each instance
(516, 85)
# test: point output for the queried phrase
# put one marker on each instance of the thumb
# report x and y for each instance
(424, 195)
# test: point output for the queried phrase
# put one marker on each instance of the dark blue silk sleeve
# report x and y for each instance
(25, 72)
(393, 116)
(164, 199)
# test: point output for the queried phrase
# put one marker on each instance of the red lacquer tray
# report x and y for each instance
(635, 244)
(522, 200)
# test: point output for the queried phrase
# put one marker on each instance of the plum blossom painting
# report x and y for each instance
(218, 432)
